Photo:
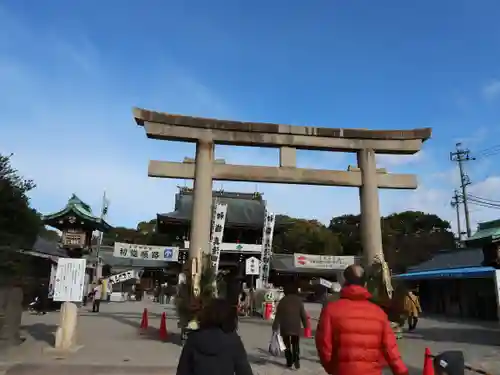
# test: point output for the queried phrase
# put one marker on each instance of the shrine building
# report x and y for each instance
(77, 223)
(242, 237)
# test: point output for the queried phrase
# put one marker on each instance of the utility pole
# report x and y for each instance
(455, 203)
(460, 156)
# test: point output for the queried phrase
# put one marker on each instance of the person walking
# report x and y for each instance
(354, 336)
(98, 294)
(216, 348)
(290, 314)
(413, 309)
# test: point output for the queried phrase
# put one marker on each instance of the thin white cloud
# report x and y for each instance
(488, 189)
(388, 161)
(81, 51)
(437, 200)
(475, 139)
(492, 89)
(449, 177)
(426, 199)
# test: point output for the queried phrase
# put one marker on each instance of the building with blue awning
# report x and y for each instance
(453, 273)
(456, 283)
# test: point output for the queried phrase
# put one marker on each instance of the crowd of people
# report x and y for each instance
(353, 337)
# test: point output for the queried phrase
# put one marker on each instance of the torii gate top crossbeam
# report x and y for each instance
(167, 126)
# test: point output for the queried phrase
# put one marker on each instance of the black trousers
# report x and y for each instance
(41, 306)
(412, 322)
(95, 305)
(292, 351)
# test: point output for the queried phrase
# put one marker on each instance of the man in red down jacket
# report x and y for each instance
(354, 336)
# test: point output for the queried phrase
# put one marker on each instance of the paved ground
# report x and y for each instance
(112, 344)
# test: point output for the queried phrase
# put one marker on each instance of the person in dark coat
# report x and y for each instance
(216, 348)
(290, 315)
(43, 295)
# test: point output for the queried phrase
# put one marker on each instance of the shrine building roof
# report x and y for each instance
(243, 209)
(487, 232)
(81, 210)
(450, 259)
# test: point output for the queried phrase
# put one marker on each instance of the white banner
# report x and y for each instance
(52, 279)
(326, 283)
(146, 252)
(232, 247)
(123, 276)
(322, 262)
(267, 243)
(70, 280)
(218, 223)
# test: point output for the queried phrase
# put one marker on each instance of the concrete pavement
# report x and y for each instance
(112, 344)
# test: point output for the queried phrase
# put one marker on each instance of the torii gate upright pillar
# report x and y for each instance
(371, 233)
(202, 200)
(201, 214)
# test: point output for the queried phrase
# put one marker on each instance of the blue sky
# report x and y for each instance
(70, 72)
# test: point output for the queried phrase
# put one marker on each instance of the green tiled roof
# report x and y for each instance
(79, 208)
(487, 232)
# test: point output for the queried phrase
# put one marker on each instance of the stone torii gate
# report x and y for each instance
(206, 133)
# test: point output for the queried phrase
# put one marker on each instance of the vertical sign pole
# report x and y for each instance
(219, 221)
(267, 243)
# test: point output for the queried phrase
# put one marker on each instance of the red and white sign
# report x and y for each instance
(322, 262)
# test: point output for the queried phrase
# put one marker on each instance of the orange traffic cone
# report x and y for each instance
(428, 365)
(308, 330)
(144, 320)
(163, 326)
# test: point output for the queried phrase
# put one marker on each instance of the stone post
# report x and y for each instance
(202, 213)
(66, 332)
(371, 231)
(11, 311)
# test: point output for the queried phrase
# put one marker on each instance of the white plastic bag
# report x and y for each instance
(276, 346)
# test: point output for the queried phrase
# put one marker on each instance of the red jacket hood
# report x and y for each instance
(355, 292)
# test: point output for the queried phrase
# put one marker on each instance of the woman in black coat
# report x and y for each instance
(216, 348)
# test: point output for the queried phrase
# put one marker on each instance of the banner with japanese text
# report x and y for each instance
(146, 252)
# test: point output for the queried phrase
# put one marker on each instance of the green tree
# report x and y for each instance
(19, 223)
(304, 236)
(122, 234)
(412, 237)
(144, 234)
(147, 227)
(347, 228)
(409, 237)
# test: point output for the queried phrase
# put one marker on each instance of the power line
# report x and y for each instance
(489, 149)
(484, 199)
(482, 203)
(487, 152)
(460, 156)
